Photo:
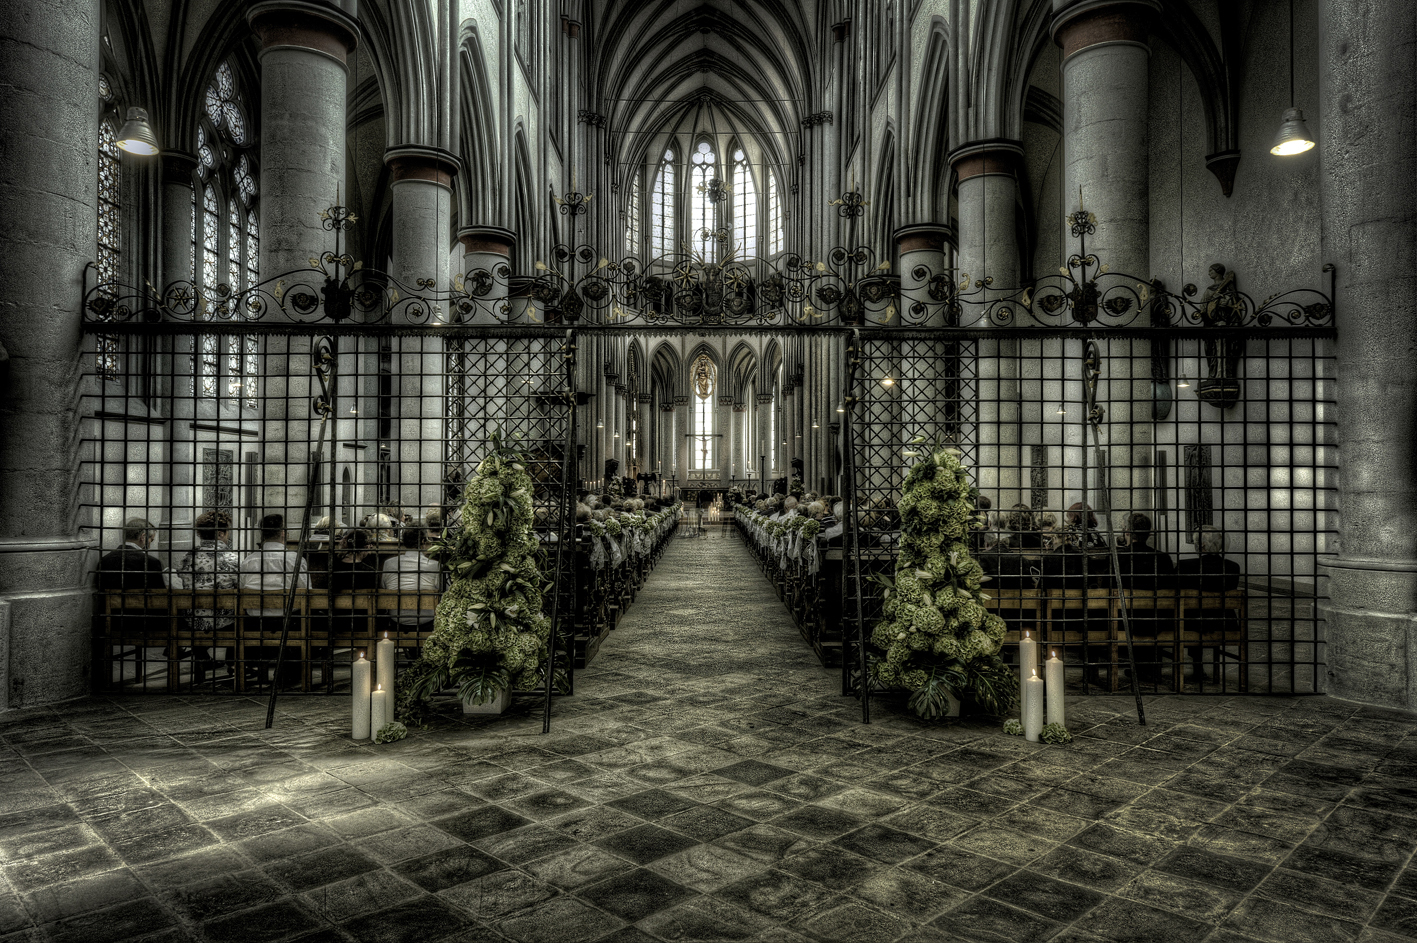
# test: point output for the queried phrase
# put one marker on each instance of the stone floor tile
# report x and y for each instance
(634, 895)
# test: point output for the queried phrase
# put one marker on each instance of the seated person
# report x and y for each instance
(211, 567)
(413, 572)
(273, 569)
(355, 570)
(1209, 572)
(1143, 569)
(131, 568)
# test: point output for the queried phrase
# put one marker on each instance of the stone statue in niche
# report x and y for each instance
(1221, 307)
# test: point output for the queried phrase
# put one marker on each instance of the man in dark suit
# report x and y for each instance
(1210, 572)
(131, 568)
(1144, 569)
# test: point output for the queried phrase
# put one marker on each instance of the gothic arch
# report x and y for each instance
(481, 175)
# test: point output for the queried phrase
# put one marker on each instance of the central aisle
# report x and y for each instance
(707, 620)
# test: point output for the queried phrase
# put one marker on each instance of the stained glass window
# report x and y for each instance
(775, 221)
(632, 218)
(704, 379)
(745, 207)
(662, 208)
(225, 237)
(109, 228)
(702, 223)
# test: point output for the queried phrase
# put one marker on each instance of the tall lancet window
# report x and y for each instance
(775, 223)
(225, 236)
(110, 219)
(703, 167)
(661, 225)
(704, 378)
(745, 207)
(632, 219)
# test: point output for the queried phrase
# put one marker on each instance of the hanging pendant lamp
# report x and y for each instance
(1293, 137)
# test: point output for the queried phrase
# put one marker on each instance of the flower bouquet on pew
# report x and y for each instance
(936, 639)
(489, 634)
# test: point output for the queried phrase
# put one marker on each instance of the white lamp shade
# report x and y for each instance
(136, 136)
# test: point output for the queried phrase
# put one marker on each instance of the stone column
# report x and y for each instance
(177, 221)
(304, 81)
(48, 151)
(762, 460)
(923, 363)
(988, 252)
(1105, 166)
(684, 412)
(422, 196)
(1368, 192)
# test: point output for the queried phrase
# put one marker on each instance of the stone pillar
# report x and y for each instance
(487, 250)
(422, 196)
(762, 460)
(49, 53)
(924, 365)
(989, 252)
(177, 220)
(304, 79)
(1105, 166)
(684, 413)
(1368, 192)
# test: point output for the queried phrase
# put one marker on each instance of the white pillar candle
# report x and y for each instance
(380, 712)
(360, 729)
(1033, 707)
(1027, 662)
(385, 660)
(1053, 675)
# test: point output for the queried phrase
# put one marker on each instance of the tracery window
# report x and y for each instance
(704, 379)
(745, 207)
(632, 218)
(662, 207)
(703, 167)
(226, 238)
(110, 220)
(775, 221)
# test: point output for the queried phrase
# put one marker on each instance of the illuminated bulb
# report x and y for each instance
(814, 424)
(1293, 137)
(1183, 383)
(887, 381)
(599, 424)
(1062, 410)
(354, 410)
(841, 409)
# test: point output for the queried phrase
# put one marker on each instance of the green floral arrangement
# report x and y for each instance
(597, 528)
(489, 633)
(795, 488)
(1055, 733)
(936, 637)
(612, 527)
(1013, 727)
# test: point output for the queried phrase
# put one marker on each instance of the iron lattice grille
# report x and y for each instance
(1245, 446)
(412, 413)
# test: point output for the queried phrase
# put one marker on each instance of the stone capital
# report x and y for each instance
(178, 167)
(491, 239)
(924, 237)
(764, 399)
(681, 401)
(725, 401)
(980, 158)
(428, 164)
(1081, 24)
(323, 27)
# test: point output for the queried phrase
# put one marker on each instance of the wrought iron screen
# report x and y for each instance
(411, 413)
(1226, 437)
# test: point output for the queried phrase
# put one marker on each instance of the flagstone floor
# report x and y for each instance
(707, 782)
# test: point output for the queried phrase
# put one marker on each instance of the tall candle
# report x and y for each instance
(1027, 661)
(385, 659)
(1053, 675)
(380, 713)
(1033, 707)
(360, 729)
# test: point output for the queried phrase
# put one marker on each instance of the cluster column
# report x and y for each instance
(1368, 196)
(1105, 168)
(49, 69)
(304, 79)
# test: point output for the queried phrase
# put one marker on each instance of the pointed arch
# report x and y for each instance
(930, 140)
(743, 367)
(662, 202)
(705, 166)
(666, 369)
(745, 201)
(883, 222)
(524, 205)
(481, 178)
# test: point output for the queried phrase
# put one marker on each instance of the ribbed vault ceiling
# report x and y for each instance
(659, 61)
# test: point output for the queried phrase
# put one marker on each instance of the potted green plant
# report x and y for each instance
(936, 639)
(489, 634)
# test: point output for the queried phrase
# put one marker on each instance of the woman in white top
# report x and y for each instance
(413, 572)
